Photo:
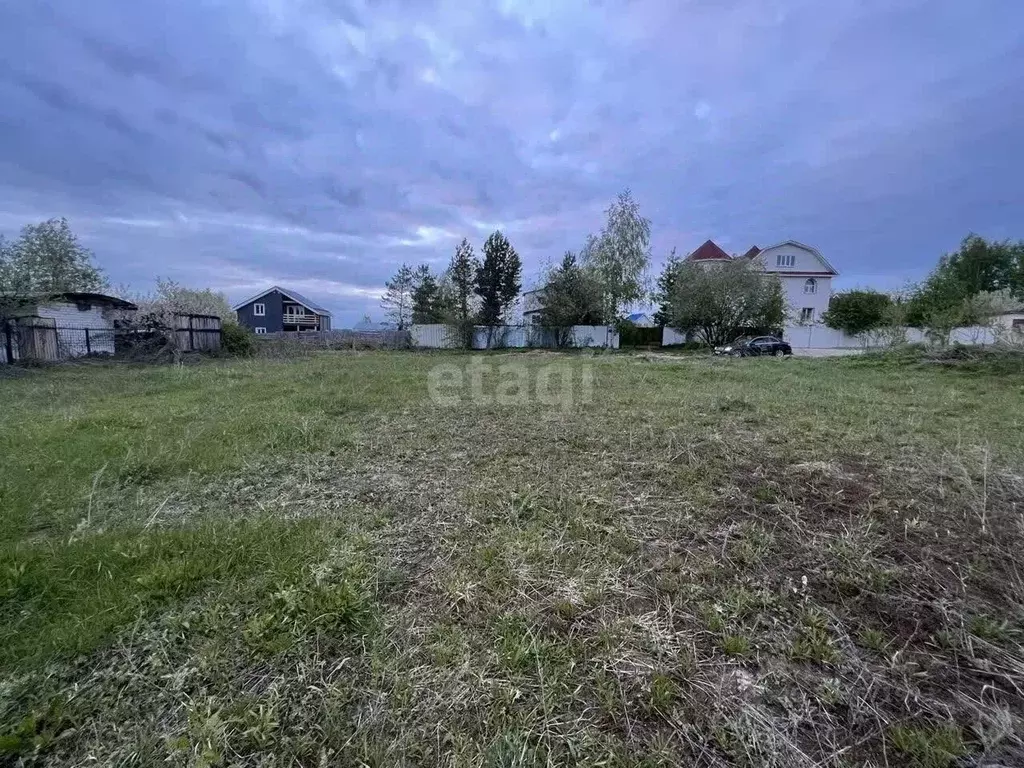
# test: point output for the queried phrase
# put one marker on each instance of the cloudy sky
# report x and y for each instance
(318, 144)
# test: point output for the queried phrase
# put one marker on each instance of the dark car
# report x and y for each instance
(755, 347)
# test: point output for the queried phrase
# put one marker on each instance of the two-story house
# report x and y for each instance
(280, 309)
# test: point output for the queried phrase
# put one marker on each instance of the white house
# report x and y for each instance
(532, 306)
(805, 274)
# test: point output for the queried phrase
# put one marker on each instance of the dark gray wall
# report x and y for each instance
(272, 321)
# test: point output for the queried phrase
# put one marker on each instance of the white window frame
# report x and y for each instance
(259, 330)
(259, 310)
(812, 284)
(785, 260)
(807, 315)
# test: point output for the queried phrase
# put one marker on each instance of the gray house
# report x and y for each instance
(280, 309)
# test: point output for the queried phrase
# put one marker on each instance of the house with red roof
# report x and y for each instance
(805, 274)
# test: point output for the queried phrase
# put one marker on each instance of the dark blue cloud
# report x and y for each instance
(320, 143)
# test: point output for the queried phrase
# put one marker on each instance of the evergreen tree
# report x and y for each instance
(426, 297)
(498, 279)
(461, 276)
(571, 296)
(397, 298)
(666, 284)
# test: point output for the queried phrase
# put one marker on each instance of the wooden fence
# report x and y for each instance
(42, 340)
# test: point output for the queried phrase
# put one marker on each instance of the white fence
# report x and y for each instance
(513, 337)
(822, 337)
(818, 336)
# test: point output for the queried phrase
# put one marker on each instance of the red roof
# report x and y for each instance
(754, 250)
(709, 251)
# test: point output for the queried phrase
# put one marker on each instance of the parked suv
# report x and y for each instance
(756, 346)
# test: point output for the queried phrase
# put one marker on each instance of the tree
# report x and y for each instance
(981, 266)
(572, 296)
(666, 284)
(173, 298)
(722, 302)
(620, 256)
(13, 282)
(497, 279)
(461, 277)
(858, 311)
(397, 298)
(953, 295)
(427, 304)
(48, 259)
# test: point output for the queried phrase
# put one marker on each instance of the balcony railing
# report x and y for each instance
(293, 319)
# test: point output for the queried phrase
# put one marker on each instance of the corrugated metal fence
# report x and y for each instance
(516, 337)
(818, 336)
(342, 338)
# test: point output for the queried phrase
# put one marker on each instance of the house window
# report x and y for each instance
(807, 315)
(785, 260)
(810, 285)
(260, 330)
(260, 310)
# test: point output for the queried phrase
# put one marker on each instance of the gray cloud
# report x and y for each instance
(321, 143)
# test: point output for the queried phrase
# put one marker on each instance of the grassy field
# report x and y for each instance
(311, 562)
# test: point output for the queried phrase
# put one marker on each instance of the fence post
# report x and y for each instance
(8, 343)
(191, 338)
(88, 345)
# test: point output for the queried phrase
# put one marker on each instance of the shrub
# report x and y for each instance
(237, 340)
(855, 312)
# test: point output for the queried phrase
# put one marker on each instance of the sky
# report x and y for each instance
(319, 144)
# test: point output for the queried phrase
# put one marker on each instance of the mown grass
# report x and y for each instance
(800, 562)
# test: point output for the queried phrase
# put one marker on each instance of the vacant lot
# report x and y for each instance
(793, 563)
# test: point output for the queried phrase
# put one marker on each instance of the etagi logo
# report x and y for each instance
(479, 382)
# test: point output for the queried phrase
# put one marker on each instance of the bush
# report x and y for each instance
(237, 340)
(856, 312)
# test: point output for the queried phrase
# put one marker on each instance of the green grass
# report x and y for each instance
(292, 562)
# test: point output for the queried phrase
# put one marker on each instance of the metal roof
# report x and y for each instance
(294, 295)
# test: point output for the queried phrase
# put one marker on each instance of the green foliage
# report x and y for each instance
(461, 277)
(428, 300)
(46, 259)
(397, 298)
(497, 279)
(735, 645)
(571, 296)
(814, 643)
(620, 256)
(956, 293)
(237, 340)
(928, 747)
(983, 266)
(858, 311)
(666, 285)
(721, 302)
(663, 693)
